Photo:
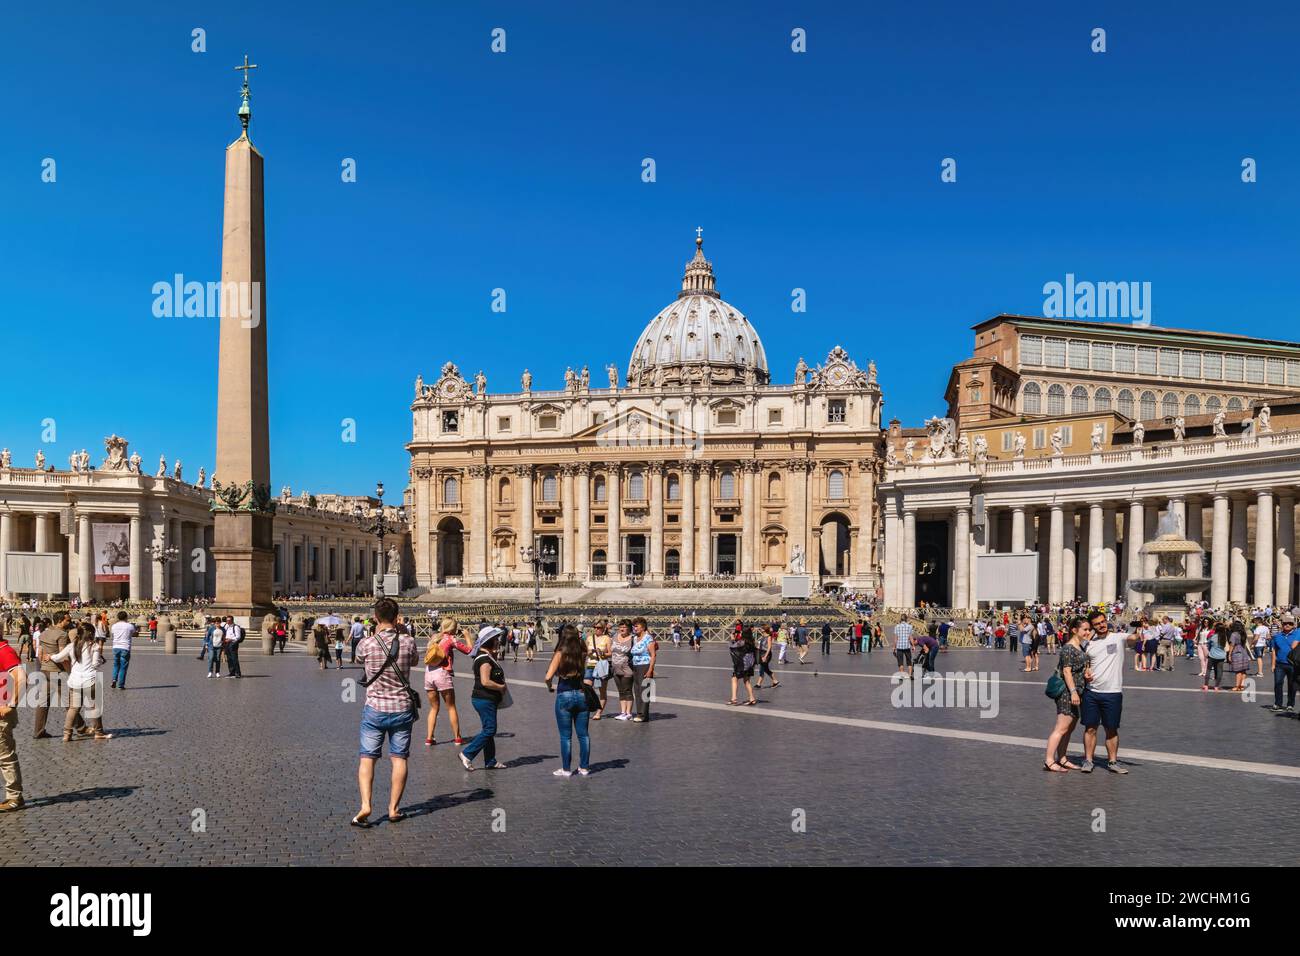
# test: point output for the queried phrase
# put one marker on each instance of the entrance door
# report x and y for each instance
(550, 544)
(932, 562)
(636, 554)
(726, 554)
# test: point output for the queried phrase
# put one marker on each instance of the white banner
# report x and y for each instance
(112, 551)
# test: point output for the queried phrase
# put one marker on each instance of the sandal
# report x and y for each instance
(1067, 765)
(776, 684)
(1055, 768)
(732, 702)
(429, 741)
(750, 703)
(400, 816)
(361, 821)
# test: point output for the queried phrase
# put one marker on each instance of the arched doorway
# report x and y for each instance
(672, 563)
(835, 541)
(451, 549)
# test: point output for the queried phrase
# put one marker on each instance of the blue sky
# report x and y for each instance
(522, 171)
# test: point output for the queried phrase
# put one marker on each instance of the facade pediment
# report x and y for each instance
(637, 426)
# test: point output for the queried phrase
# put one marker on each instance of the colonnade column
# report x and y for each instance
(893, 551)
(85, 559)
(1264, 519)
(1283, 561)
(706, 518)
(1017, 529)
(961, 559)
(749, 514)
(1069, 571)
(687, 564)
(210, 572)
(1219, 552)
(6, 544)
(909, 558)
(174, 568)
(1109, 555)
(656, 563)
(524, 473)
(1237, 565)
(582, 490)
(614, 504)
(1195, 532)
(1055, 534)
(1134, 530)
(566, 518)
(135, 589)
(1095, 557)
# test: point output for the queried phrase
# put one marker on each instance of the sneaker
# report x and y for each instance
(212, 675)
(561, 773)
(1086, 767)
(465, 762)
(228, 676)
(114, 684)
(623, 717)
(584, 772)
(1275, 708)
(1114, 767)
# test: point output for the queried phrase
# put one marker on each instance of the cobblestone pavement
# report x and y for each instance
(271, 762)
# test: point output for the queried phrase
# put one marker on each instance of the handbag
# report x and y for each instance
(601, 670)
(390, 660)
(506, 700)
(1056, 685)
(591, 698)
(433, 654)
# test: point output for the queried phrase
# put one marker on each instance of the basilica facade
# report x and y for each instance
(692, 467)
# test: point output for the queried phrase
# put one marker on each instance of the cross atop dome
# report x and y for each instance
(698, 279)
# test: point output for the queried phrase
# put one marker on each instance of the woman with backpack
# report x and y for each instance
(1070, 665)
(1215, 656)
(439, 676)
(571, 704)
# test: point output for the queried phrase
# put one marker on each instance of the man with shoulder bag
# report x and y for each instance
(390, 709)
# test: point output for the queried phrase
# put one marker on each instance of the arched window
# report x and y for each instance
(598, 564)
(598, 489)
(1234, 404)
(1078, 399)
(1147, 406)
(774, 485)
(672, 563)
(451, 491)
(835, 485)
(503, 491)
(1056, 400)
(1126, 403)
(1169, 405)
(1033, 399)
(1191, 406)
(550, 488)
(636, 485)
(674, 488)
(1101, 400)
(727, 485)
(1212, 405)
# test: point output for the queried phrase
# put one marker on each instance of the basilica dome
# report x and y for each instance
(698, 338)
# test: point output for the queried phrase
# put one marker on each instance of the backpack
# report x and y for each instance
(433, 654)
(1293, 657)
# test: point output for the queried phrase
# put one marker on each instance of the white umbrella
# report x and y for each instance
(330, 620)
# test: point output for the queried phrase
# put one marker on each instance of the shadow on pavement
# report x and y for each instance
(80, 796)
(446, 801)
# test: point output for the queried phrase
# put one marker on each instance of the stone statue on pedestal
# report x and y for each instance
(612, 370)
(1098, 434)
(1265, 420)
(1018, 445)
(480, 383)
(133, 466)
(6, 459)
(1058, 441)
(40, 460)
(963, 448)
(176, 473)
(1219, 418)
(981, 449)
(800, 371)
(162, 467)
(203, 477)
(1139, 434)
(526, 381)
(1180, 428)
(1248, 428)
(909, 451)
(585, 378)
(797, 561)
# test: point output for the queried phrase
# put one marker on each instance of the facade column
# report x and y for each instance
(893, 555)
(481, 519)
(1285, 549)
(175, 568)
(1110, 555)
(687, 563)
(961, 559)
(42, 533)
(862, 558)
(6, 545)
(749, 515)
(1055, 533)
(909, 558)
(798, 510)
(706, 518)
(1095, 557)
(567, 514)
(1069, 572)
(1264, 548)
(1018, 529)
(582, 491)
(1219, 551)
(656, 562)
(210, 572)
(135, 589)
(1237, 564)
(1134, 531)
(614, 504)
(85, 559)
(524, 474)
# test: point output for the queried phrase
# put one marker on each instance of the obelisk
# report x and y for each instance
(243, 506)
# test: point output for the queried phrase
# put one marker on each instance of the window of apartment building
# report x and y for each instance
(1103, 357)
(1125, 403)
(1031, 350)
(1079, 354)
(1191, 364)
(1101, 399)
(1040, 437)
(1293, 372)
(1147, 406)
(1078, 399)
(835, 485)
(1212, 366)
(1169, 359)
(1234, 368)
(451, 491)
(774, 416)
(836, 410)
(1006, 441)
(1212, 405)
(1276, 371)
(1191, 406)
(1234, 404)
(1033, 398)
(1056, 400)
(1146, 360)
(1054, 353)
(450, 422)
(1067, 435)
(1169, 405)
(1255, 369)
(1125, 358)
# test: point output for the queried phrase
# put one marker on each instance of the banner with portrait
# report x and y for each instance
(112, 551)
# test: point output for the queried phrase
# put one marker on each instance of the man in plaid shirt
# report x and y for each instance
(903, 646)
(390, 709)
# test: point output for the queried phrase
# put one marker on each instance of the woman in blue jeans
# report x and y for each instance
(489, 686)
(570, 701)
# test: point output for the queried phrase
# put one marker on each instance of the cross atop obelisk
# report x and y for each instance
(245, 113)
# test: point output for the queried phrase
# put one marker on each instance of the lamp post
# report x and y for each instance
(164, 554)
(537, 555)
(380, 527)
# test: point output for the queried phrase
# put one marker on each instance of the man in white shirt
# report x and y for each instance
(123, 632)
(1262, 636)
(355, 634)
(1103, 695)
(233, 634)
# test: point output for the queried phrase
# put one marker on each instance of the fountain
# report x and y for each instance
(1171, 585)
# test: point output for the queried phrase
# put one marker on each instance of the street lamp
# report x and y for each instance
(537, 555)
(164, 554)
(380, 527)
